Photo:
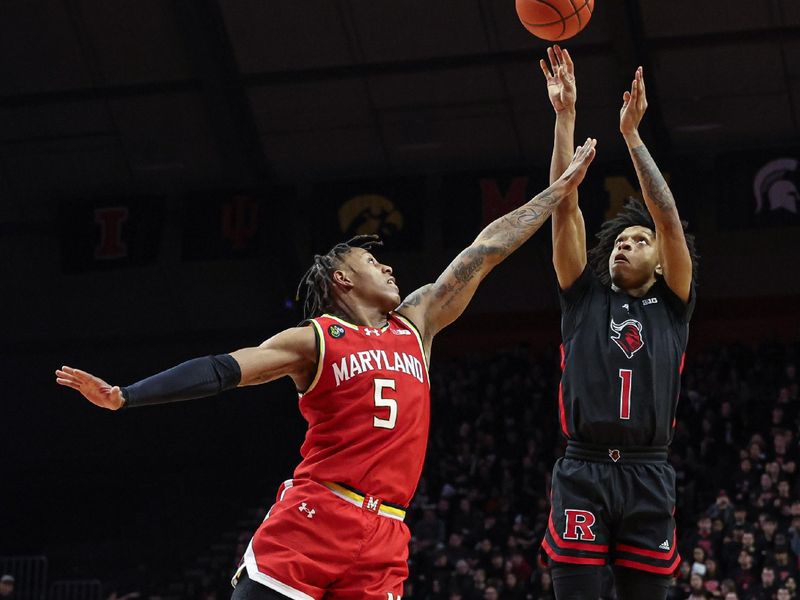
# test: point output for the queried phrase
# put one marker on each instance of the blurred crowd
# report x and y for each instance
(482, 504)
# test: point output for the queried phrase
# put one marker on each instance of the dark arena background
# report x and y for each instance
(168, 168)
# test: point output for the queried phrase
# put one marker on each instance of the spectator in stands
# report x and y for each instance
(7, 586)
(697, 590)
(744, 575)
(767, 588)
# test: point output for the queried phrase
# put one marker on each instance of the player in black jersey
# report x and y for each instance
(625, 322)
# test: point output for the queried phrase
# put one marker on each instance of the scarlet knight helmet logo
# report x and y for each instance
(628, 336)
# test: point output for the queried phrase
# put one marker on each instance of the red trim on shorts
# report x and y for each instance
(648, 553)
(575, 560)
(562, 417)
(683, 360)
(562, 543)
(635, 564)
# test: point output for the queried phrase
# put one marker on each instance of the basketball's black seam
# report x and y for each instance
(563, 22)
(577, 13)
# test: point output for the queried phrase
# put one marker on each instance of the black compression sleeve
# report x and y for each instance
(195, 378)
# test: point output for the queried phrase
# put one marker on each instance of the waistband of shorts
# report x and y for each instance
(366, 501)
(631, 455)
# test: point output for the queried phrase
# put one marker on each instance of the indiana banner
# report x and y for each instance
(110, 233)
(392, 209)
(759, 190)
(226, 225)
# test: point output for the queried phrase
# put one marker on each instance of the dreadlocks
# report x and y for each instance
(634, 212)
(315, 285)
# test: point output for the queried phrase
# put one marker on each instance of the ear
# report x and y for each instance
(660, 269)
(341, 279)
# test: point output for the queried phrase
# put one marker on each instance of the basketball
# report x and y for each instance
(554, 20)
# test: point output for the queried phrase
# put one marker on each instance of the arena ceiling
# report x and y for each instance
(106, 94)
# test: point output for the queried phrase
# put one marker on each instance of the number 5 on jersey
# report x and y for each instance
(381, 402)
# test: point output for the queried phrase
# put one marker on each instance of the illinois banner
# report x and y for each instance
(392, 209)
(110, 233)
(759, 190)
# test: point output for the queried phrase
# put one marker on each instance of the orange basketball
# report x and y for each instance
(554, 20)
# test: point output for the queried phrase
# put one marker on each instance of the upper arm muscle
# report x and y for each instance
(291, 352)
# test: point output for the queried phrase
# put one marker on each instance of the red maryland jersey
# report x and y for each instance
(368, 408)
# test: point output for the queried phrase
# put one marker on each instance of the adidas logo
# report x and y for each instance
(664, 545)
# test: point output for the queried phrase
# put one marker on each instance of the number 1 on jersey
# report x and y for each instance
(381, 402)
(625, 393)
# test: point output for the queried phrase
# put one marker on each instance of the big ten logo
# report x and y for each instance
(370, 214)
(619, 188)
(495, 203)
(240, 221)
(110, 219)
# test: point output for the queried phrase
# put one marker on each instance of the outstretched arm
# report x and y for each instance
(436, 305)
(291, 352)
(569, 230)
(676, 262)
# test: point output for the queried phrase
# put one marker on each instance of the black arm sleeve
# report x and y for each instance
(195, 378)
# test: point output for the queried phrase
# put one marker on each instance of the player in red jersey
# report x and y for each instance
(359, 362)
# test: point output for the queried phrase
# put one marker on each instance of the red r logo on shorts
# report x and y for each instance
(579, 525)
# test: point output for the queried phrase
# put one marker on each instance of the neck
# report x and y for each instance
(369, 316)
(636, 292)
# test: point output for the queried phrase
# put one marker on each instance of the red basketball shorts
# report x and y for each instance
(318, 543)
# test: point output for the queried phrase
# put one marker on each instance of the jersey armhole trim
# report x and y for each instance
(410, 324)
(320, 356)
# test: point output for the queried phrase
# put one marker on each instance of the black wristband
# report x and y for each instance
(194, 378)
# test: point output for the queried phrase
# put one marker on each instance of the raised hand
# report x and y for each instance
(634, 105)
(560, 77)
(583, 157)
(94, 389)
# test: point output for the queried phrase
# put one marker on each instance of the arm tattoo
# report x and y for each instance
(499, 239)
(654, 186)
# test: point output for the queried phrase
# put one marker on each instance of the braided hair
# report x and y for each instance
(634, 212)
(315, 285)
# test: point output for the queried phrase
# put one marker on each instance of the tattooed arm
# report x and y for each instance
(436, 305)
(676, 262)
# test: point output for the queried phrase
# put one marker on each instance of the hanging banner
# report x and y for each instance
(110, 233)
(759, 190)
(392, 209)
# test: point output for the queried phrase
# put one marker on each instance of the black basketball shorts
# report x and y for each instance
(613, 511)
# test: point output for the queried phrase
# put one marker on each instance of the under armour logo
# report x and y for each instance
(304, 508)
(626, 307)
(369, 331)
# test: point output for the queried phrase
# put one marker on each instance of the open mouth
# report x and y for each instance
(620, 258)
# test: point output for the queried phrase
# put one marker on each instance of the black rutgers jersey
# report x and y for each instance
(621, 360)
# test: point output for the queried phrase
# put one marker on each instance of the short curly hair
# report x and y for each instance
(634, 212)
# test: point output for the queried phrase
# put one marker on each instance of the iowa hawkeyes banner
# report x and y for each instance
(759, 190)
(225, 224)
(109, 233)
(392, 209)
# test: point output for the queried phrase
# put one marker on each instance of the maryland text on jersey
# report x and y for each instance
(357, 363)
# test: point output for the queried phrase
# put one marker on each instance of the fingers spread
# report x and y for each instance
(567, 59)
(545, 70)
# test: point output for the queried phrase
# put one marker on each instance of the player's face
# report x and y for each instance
(373, 280)
(634, 259)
